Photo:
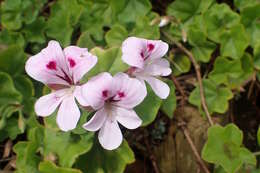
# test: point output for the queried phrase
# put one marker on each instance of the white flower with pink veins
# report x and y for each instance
(145, 58)
(114, 99)
(61, 70)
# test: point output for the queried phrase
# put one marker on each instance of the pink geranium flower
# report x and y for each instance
(61, 70)
(145, 58)
(114, 99)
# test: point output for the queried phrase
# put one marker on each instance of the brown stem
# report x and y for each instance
(193, 148)
(152, 157)
(179, 88)
(197, 69)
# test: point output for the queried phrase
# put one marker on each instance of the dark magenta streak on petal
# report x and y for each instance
(52, 65)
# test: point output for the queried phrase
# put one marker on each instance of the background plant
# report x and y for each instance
(218, 39)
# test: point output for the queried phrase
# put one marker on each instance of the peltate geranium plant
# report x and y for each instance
(112, 97)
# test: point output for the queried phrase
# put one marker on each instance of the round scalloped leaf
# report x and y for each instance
(223, 147)
(99, 160)
(149, 108)
(217, 97)
(50, 167)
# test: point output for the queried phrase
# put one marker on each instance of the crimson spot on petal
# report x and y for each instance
(121, 94)
(105, 93)
(72, 62)
(150, 47)
(52, 65)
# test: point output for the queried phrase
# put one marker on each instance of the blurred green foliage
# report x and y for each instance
(214, 32)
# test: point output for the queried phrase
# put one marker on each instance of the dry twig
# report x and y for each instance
(193, 148)
(197, 69)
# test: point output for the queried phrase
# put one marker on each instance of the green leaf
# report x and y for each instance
(116, 35)
(8, 93)
(245, 3)
(34, 32)
(49, 167)
(64, 16)
(15, 12)
(257, 56)
(217, 22)
(234, 42)
(12, 60)
(85, 41)
(169, 105)
(99, 160)
(180, 64)
(108, 60)
(202, 49)
(258, 136)
(224, 148)
(224, 69)
(147, 112)
(27, 160)
(74, 145)
(217, 97)
(186, 9)
(134, 9)
(144, 29)
(9, 38)
(250, 19)
(246, 72)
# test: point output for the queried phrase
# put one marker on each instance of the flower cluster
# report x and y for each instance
(112, 97)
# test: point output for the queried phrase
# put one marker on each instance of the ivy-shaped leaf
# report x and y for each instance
(217, 97)
(169, 105)
(8, 37)
(64, 16)
(147, 112)
(34, 32)
(217, 22)
(134, 9)
(27, 160)
(67, 146)
(224, 69)
(49, 167)
(180, 64)
(224, 148)
(8, 93)
(12, 60)
(234, 42)
(108, 60)
(98, 160)
(202, 48)
(250, 19)
(116, 35)
(15, 12)
(186, 9)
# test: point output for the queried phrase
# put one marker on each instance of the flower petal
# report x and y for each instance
(96, 122)
(158, 67)
(160, 88)
(68, 114)
(110, 136)
(48, 66)
(79, 61)
(127, 117)
(131, 91)
(93, 89)
(131, 49)
(47, 104)
(160, 49)
(78, 95)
